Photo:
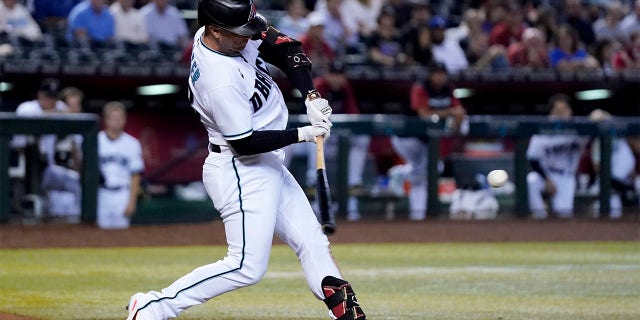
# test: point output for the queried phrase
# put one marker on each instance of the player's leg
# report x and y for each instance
(246, 195)
(535, 188)
(358, 151)
(111, 207)
(298, 227)
(415, 153)
(562, 200)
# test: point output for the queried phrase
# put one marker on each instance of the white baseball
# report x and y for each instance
(497, 178)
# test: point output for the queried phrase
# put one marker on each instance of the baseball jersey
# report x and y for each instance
(234, 94)
(47, 142)
(557, 153)
(119, 159)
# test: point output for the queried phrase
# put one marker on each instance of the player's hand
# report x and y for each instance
(318, 109)
(550, 187)
(131, 209)
(310, 133)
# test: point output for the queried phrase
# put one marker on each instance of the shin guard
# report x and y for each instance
(341, 300)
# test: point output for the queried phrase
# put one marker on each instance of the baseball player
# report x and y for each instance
(245, 116)
(623, 164)
(554, 160)
(60, 183)
(120, 159)
(433, 97)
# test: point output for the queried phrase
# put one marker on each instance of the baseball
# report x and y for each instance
(497, 178)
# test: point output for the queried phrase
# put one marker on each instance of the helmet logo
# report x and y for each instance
(252, 12)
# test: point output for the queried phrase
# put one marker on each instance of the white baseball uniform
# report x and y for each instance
(559, 157)
(256, 195)
(623, 164)
(119, 159)
(61, 184)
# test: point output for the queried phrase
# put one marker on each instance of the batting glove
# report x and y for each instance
(310, 133)
(318, 110)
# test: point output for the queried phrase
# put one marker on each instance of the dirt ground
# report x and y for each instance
(212, 233)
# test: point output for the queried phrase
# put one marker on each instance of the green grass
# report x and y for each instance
(393, 281)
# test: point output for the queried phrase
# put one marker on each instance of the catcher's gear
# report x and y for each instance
(237, 16)
(318, 109)
(310, 133)
(341, 300)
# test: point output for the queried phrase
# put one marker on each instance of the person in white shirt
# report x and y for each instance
(165, 23)
(120, 164)
(130, 24)
(445, 50)
(16, 20)
(631, 22)
(294, 23)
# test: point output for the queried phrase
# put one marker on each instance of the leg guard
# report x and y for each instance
(341, 300)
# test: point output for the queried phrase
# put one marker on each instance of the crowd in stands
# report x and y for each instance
(493, 35)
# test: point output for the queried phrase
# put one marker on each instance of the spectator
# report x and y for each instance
(337, 33)
(433, 97)
(16, 21)
(623, 163)
(294, 23)
(401, 9)
(629, 58)
(52, 14)
(604, 51)
(129, 23)
(444, 50)
(547, 22)
(415, 34)
(482, 56)
(314, 43)
(575, 16)
(531, 52)
(385, 46)
(363, 15)
(165, 24)
(631, 22)
(509, 30)
(567, 55)
(608, 27)
(470, 28)
(554, 160)
(92, 23)
(336, 88)
(121, 165)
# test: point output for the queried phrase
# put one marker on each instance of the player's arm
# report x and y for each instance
(286, 53)
(133, 194)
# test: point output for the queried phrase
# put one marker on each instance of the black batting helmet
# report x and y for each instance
(237, 16)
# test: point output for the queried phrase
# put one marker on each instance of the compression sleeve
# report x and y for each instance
(264, 141)
(535, 165)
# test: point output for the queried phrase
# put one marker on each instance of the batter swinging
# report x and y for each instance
(244, 113)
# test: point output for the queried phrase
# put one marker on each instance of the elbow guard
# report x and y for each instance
(282, 51)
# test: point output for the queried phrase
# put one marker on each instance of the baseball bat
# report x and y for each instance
(327, 220)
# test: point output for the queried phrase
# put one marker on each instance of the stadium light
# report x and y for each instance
(158, 89)
(6, 86)
(462, 93)
(595, 94)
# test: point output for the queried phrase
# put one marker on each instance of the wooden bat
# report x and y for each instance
(323, 193)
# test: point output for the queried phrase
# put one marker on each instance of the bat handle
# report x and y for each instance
(320, 152)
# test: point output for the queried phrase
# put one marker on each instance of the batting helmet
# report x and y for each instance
(237, 16)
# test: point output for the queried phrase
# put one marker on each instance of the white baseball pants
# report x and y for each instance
(561, 201)
(256, 197)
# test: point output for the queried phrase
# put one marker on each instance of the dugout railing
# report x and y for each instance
(61, 124)
(519, 128)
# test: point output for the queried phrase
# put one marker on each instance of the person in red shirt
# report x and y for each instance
(314, 43)
(431, 98)
(509, 30)
(629, 58)
(532, 52)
